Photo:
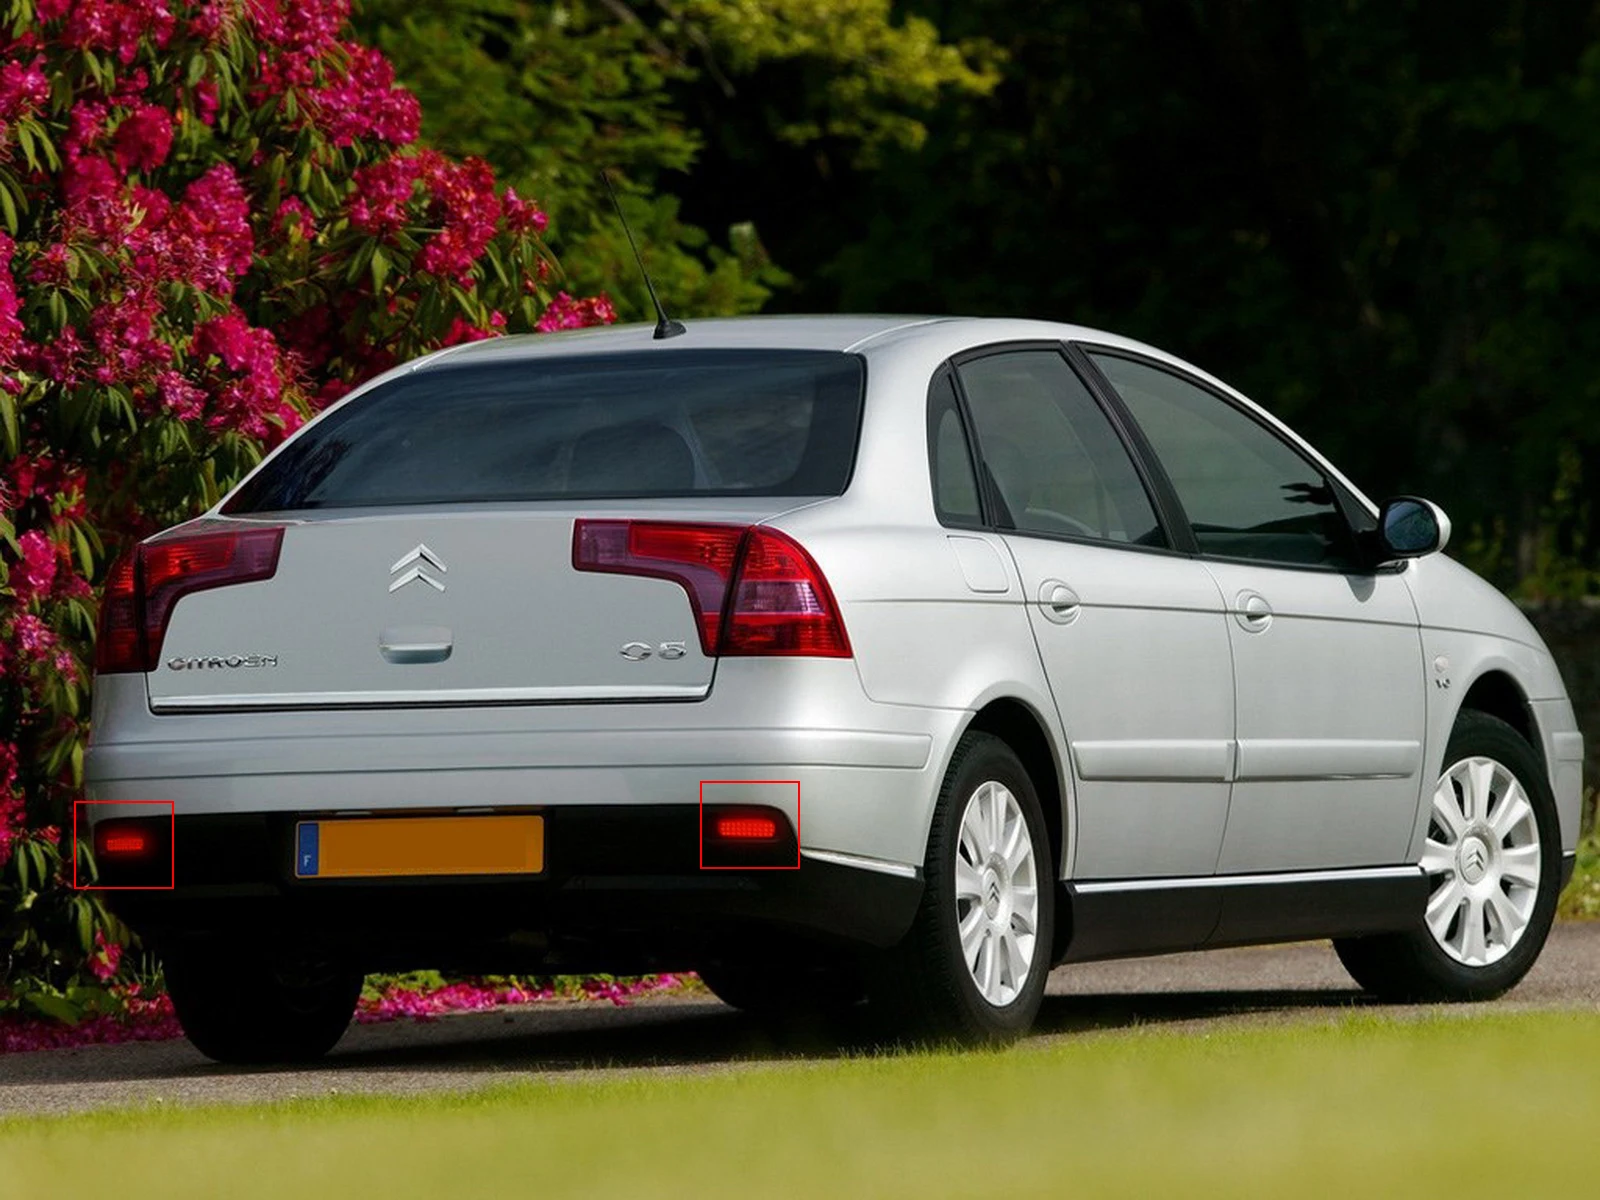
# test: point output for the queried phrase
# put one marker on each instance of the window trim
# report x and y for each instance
(987, 490)
(1344, 502)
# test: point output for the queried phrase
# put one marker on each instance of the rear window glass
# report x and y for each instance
(643, 424)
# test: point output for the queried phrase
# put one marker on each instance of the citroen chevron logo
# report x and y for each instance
(417, 559)
(1475, 859)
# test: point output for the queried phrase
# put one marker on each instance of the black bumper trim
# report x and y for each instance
(622, 890)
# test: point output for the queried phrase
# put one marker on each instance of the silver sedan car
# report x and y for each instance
(840, 659)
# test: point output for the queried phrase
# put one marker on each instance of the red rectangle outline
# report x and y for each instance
(172, 845)
(702, 838)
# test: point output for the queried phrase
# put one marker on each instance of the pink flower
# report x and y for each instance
(23, 89)
(183, 399)
(464, 198)
(105, 960)
(209, 240)
(305, 27)
(566, 313)
(126, 337)
(88, 180)
(116, 25)
(12, 339)
(293, 212)
(35, 571)
(53, 267)
(362, 101)
(208, 22)
(33, 637)
(252, 402)
(523, 216)
(381, 193)
(144, 138)
(231, 338)
(206, 101)
(62, 359)
(11, 807)
(464, 331)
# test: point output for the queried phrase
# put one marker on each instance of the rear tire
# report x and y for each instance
(973, 966)
(802, 985)
(276, 1011)
(1493, 857)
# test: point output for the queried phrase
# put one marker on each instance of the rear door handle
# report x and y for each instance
(1252, 611)
(1059, 602)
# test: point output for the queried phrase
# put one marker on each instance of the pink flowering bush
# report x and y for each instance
(213, 220)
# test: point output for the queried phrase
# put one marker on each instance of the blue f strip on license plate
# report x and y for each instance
(306, 850)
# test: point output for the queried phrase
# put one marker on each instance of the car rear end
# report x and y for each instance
(509, 662)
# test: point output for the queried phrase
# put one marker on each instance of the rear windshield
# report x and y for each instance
(643, 424)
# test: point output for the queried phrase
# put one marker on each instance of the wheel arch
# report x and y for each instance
(1022, 727)
(1497, 693)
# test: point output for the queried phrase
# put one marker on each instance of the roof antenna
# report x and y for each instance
(666, 327)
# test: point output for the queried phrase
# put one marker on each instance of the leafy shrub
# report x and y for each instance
(213, 220)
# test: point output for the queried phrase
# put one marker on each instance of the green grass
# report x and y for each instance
(1466, 1103)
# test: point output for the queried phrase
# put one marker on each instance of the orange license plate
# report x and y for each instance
(372, 847)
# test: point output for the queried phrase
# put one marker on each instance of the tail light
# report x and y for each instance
(134, 841)
(746, 829)
(754, 591)
(146, 584)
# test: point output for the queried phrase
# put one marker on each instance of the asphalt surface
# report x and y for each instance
(588, 1041)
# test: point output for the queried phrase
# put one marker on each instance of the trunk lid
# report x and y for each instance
(467, 606)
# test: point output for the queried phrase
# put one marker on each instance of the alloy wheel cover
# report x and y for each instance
(997, 893)
(1483, 860)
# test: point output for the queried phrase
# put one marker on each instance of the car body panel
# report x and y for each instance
(1322, 780)
(1470, 631)
(1140, 674)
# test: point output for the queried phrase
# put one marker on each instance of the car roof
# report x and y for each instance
(759, 332)
(840, 333)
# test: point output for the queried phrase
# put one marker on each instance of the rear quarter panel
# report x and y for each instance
(935, 615)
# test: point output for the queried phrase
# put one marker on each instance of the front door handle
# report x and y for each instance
(1253, 612)
(1059, 602)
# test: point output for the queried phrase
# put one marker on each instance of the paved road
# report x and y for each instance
(588, 1041)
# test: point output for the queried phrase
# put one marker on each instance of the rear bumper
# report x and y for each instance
(621, 892)
(868, 773)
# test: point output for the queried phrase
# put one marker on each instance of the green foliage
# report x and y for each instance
(551, 92)
(1383, 224)
(1581, 899)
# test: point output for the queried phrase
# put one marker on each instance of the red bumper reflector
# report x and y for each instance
(125, 843)
(746, 829)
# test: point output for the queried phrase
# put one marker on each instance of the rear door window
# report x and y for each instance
(1054, 458)
(636, 425)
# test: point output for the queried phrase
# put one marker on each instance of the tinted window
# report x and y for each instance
(1055, 460)
(1247, 493)
(955, 483)
(659, 423)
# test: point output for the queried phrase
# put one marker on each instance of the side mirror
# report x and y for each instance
(1409, 527)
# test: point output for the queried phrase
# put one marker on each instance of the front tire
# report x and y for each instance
(274, 1011)
(1493, 859)
(973, 966)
